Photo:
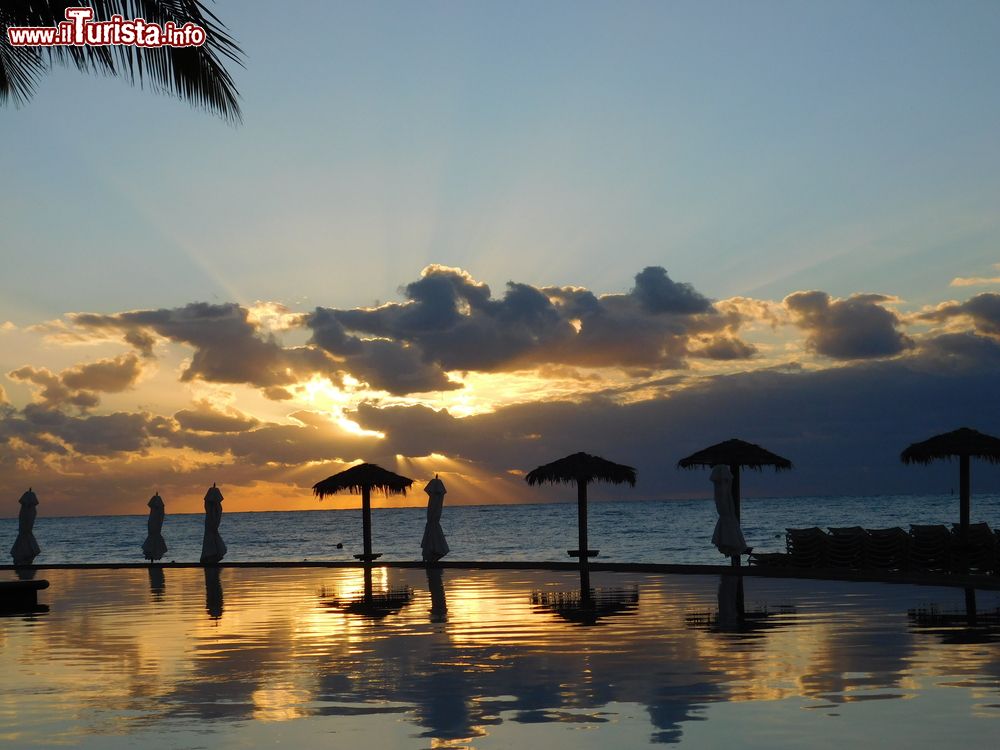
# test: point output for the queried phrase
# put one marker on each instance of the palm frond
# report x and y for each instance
(195, 74)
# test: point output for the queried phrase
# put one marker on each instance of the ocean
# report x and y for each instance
(669, 531)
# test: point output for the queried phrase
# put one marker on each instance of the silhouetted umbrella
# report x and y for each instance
(581, 469)
(434, 544)
(154, 547)
(734, 454)
(965, 444)
(364, 478)
(213, 549)
(26, 548)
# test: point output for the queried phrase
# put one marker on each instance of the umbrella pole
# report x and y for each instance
(735, 470)
(366, 520)
(964, 495)
(581, 520)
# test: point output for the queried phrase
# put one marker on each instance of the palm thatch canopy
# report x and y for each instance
(735, 453)
(960, 442)
(582, 467)
(362, 477)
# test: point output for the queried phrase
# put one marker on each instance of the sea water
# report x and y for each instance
(670, 531)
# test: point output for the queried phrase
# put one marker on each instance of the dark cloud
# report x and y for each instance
(983, 310)
(228, 347)
(51, 391)
(455, 324)
(94, 435)
(843, 428)
(206, 418)
(858, 327)
(106, 376)
(724, 348)
(79, 386)
(657, 293)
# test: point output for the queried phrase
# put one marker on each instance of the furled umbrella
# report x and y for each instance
(966, 444)
(434, 544)
(728, 536)
(363, 478)
(154, 547)
(581, 469)
(735, 454)
(25, 548)
(213, 549)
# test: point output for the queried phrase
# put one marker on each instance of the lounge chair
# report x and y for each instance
(887, 549)
(808, 548)
(982, 547)
(846, 547)
(932, 547)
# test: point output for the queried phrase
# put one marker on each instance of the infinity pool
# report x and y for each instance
(256, 657)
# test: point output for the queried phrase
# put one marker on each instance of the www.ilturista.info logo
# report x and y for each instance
(79, 30)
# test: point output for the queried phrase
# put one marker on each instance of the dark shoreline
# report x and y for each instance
(984, 582)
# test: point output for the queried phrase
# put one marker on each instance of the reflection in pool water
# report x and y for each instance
(477, 659)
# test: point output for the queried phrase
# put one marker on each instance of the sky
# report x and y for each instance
(468, 239)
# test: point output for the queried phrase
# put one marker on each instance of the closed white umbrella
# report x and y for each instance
(728, 536)
(25, 548)
(434, 545)
(154, 547)
(213, 549)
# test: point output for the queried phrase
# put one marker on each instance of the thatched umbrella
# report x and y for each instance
(364, 478)
(582, 469)
(735, 453)
(965, 444)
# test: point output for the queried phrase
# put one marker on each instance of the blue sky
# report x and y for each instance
(410, 153)
(751, 149)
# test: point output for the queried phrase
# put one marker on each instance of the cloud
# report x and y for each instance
(206, 418)
(228, 346)
(975, 281)
(858, 327)
(51, 391)
(842, 427)
(657, 293)
(454, 323)
(106, 375)
(983, 311)
(80, 385)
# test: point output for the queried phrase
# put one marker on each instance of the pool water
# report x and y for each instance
(258, 657)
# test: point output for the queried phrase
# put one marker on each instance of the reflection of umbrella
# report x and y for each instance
(581, 469)
(213, 592)
(727, 537)
(375, 604)
(968, 626)
(965, 444)
(213, 549)
(434, 545)
(364, 478)
(587, 606)
(157, 582)
(25, 548)
(732, 617)
(734, 454)
(439, 604)
(154, 547)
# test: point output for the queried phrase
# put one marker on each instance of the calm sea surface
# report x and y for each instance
(189, 659)
(676, 531)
